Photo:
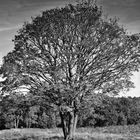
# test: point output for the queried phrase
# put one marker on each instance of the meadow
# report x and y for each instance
(130, 132)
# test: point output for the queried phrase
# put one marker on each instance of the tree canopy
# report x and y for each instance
(68, 56)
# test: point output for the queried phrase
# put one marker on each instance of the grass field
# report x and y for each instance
(105, 133)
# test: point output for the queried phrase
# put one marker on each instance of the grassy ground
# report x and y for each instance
(105, 133)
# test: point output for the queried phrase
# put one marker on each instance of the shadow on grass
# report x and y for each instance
(51, 138)
(60, 138)
(39, 138)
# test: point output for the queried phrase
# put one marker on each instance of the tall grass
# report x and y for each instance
(105, 133)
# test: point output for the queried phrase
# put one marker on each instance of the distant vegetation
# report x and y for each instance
(21, 111)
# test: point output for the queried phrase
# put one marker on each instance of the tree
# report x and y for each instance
(69, 57)
(12, 110)
(134, 115)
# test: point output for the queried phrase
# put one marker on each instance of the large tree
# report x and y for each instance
(68, 56)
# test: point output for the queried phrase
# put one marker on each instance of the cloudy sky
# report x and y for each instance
(13, 13)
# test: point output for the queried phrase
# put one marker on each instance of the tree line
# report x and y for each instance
(21, 111)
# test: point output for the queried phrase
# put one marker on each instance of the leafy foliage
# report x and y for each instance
(69, 54)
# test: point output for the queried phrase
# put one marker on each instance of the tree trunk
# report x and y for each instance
(75, 124)
(63, 123)
(28, 123)
(69, 123)
(17, 122)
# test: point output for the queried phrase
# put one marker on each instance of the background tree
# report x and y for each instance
(68, 57)
(12, 110)
(134, 116)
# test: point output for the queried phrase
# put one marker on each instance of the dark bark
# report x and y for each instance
(69, 125)
(17, 122)
(63, 123)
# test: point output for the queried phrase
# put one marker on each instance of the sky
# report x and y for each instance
(13, 13)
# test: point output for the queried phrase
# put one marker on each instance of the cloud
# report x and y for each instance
(133, 26)
(13, 12)
(8, 28)
(120, 3)
(1, 58)
(135, 91)
(128, 11)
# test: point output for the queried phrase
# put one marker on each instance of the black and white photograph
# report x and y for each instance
(69, 69)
